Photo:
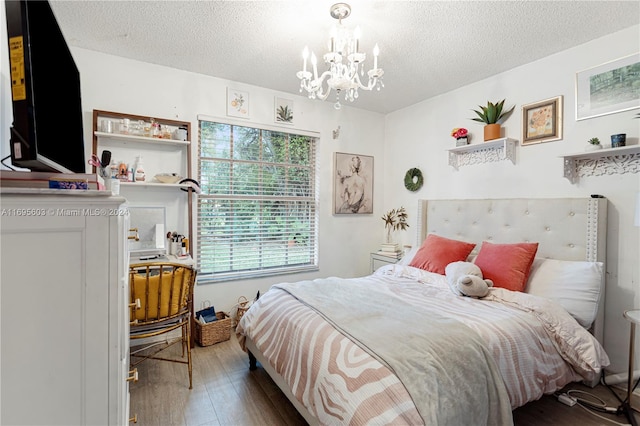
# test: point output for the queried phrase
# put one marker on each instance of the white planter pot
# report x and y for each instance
(591, 147)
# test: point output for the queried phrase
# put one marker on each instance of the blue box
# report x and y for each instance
(62, 183)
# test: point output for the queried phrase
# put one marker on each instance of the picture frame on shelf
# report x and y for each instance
(237, 103)
(283, 111)
(608, 88)
(353, 184)
(542, 121)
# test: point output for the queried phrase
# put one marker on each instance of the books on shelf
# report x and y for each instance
(48, 180)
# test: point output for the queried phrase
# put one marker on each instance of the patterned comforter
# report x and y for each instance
(536, 346)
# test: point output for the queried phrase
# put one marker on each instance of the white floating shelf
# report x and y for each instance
(483, 152)
(600, 162)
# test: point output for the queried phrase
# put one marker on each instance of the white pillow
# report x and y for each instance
(407, 258)
(575, 285)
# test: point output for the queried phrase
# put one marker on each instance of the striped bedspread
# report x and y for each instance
(532, 341)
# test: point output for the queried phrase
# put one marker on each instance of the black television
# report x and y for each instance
(47, 133)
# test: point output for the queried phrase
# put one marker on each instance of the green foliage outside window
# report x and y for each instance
(257, 211)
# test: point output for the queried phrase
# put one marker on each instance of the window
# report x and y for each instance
(257, 213)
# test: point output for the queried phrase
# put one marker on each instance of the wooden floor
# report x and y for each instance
(226, 393)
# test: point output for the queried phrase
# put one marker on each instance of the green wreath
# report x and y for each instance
(413, 180)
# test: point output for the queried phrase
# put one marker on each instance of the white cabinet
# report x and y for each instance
(64, 308)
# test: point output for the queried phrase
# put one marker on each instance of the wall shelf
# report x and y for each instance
(608, 161)
(139, 139)
(485, 152)
(160, 155)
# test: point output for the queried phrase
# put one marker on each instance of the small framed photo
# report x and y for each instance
(237, 103)
(542, 121)
(608, 88)
(352, 184)
(283, 111)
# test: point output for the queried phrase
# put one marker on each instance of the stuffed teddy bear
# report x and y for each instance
(465, 279)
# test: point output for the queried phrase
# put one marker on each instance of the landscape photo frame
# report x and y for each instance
(542, 121)
(608, 88)
(353, 184)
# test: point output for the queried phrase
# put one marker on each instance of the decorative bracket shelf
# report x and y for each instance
(485, 152)
(608, 161)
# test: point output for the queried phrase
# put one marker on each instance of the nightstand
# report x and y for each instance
(378, 260)
(633, 316)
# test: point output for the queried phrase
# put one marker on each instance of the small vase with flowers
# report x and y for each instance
(461, 135)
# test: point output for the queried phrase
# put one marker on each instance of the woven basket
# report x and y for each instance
(243, 306)
(214, 332)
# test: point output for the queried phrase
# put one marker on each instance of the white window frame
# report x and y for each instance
(206, 274)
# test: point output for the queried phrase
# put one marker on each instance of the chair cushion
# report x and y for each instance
(170, 288)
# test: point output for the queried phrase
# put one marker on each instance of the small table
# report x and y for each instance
(633, 316)
(378, 260)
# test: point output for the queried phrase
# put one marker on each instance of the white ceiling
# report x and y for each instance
(426, 47)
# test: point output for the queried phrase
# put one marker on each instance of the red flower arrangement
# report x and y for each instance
(459, 132)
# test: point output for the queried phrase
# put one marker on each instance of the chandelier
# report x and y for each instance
(345, 64)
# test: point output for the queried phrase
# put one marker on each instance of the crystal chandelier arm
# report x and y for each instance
(373, 74)
(369, 85)
(317, 85)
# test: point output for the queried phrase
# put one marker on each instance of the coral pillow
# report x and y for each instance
(507, 265)
(437, 252)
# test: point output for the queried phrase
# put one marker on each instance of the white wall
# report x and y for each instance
(418, 136)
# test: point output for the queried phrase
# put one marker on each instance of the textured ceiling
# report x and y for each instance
(426, 47)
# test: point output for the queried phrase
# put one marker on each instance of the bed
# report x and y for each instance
(399, 347)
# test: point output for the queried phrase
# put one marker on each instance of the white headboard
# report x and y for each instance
(565, 228)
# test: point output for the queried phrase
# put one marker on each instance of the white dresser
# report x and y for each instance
(64, 315)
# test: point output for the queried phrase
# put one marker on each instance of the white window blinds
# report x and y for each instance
(257, 213)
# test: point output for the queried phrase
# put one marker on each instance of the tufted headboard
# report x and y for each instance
(565, 228)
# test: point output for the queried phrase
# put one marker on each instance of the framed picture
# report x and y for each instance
(352, 184)
(283, 111)
(608, 88)
(237, 103)
(542, 121)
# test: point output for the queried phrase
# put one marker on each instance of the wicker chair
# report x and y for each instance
(161, 301)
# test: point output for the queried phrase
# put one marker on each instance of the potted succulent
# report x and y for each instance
(395, 219)
(492, 116)
(593, 144)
